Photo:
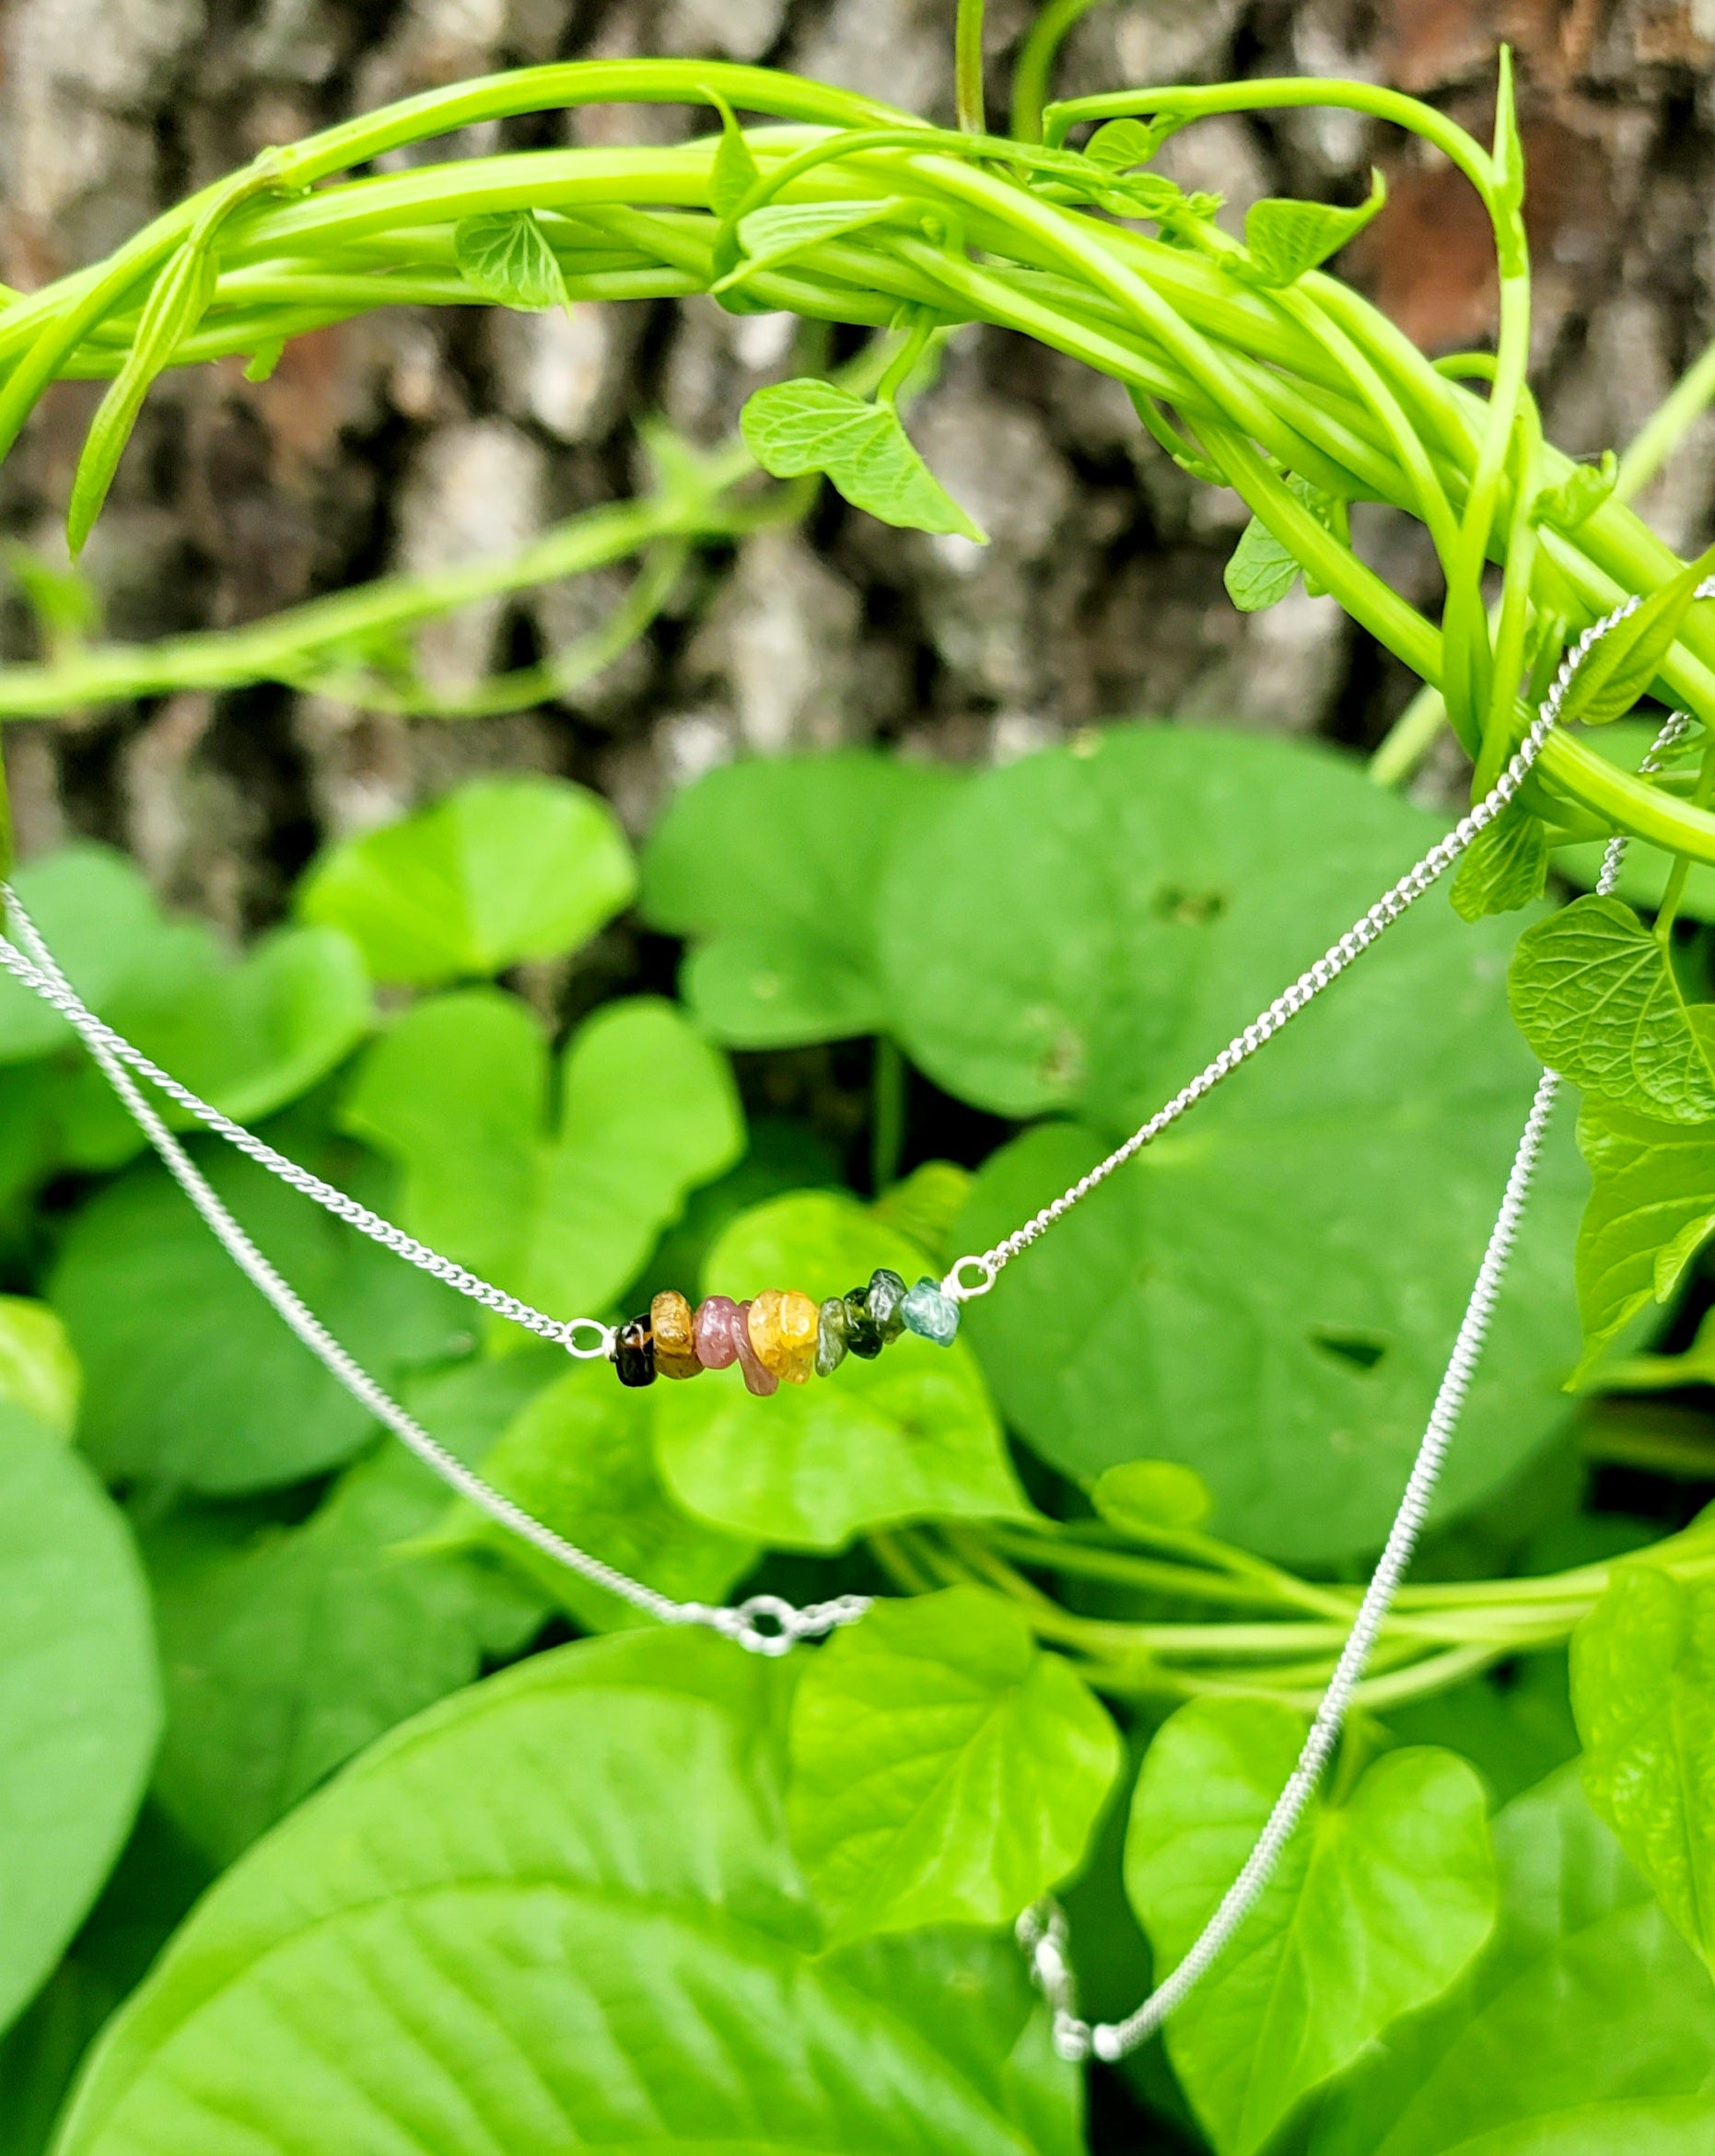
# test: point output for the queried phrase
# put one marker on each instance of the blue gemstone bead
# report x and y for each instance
(926, 1310)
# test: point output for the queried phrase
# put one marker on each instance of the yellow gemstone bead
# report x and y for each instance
(783, 1333)
(675, 1336)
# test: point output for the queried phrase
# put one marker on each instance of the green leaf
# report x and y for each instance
(1595, 995)
(1285, 239)
(781, 230)
(1150, 1494)
(910, 1436)
(925, 1206)
(556, 1912)
(1260, 570)
(1267, 1295)
(1584, 2018)
(1622, 666)
(287, 1650)
(578, 1458)
(79, 1698)
(505, 257)
(772, 870)
(800, 426)
(190, 1378)
(177, 302)
(1118, 145)
(499, 870)
(1378, 1904)
(559, 1201)
(945, 1770)
(248, 1036)
(1652, 1209)
(1643, 1690)
(734, 172)
(38, 1370)
(1505, 866)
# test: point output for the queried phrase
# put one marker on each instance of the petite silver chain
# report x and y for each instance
(767, 1624)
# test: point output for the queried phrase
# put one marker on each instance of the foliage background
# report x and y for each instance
(410, 439)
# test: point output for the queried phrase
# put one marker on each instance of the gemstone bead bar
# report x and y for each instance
(780, 1336)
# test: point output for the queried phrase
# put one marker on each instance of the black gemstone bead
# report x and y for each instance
(863, 1336)
(633, 1353)
(886, 1292)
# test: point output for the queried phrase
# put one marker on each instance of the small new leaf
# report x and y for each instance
(1652, 1209)
(780, 230)
(1594, 995)
(1505, 866)
(1285, 239)
(175, 306)
(1578, 499)
(1124, 143)
(800, 426)
(1622, 666)
(734, 173)
(506, 257)
(1261, 571)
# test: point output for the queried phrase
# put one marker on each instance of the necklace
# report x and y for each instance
(784, 1334)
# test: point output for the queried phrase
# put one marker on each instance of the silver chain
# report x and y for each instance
(767, 1624)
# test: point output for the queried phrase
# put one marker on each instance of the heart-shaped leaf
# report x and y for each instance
(1505, 866)
(190, 1378)
(771, 869)
(79, 1697)
(945, 1770)
(579, 1459)
(609, 1947)
(801, 426)
(1585, 2027)
(1261, 569)
(1268, 1294)
(506, 257)
(248, 1036)
(1595, 995)
(1285, 239)
(287, 1650)
(1652, 1209)
(1644, 1689)
(908, 1436)
(501, 869)
(1377, 1905)
(559, 1201)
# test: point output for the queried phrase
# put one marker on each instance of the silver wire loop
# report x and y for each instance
(960, 1290)
(600, 1350)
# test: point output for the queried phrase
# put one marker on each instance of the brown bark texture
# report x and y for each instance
(409, 439)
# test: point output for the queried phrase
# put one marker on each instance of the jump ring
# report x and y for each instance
(602, 1349)
(962, 1291)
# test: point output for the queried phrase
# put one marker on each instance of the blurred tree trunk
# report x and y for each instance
(410, 439)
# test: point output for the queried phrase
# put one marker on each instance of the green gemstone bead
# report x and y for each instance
(863, 1336)
(830, 1337)
(884, 1300)
(931, 1313)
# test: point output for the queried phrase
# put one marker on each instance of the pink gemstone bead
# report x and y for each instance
(758, 1379)
(720, 1326)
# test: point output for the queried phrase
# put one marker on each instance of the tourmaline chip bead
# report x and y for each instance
(633, 1353)
(830, 1335)
(927, 1309)
(782, 1326)
(674, 1326)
